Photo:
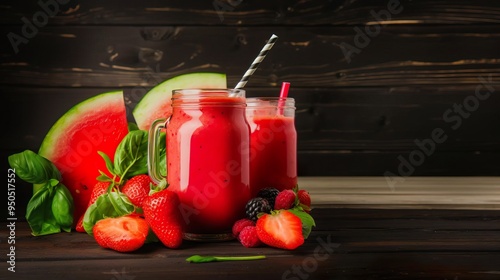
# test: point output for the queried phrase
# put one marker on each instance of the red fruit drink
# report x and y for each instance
(273, 143)
(207, 165)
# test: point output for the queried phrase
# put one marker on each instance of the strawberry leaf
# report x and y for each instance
(158, 188)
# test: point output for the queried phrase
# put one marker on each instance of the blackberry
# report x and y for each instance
(255, 206)
(269, 194)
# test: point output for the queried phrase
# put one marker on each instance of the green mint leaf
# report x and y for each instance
(33, 168)
(204, 259)
(306, 219)
(62, 207)
(39, 211)
(131, 155)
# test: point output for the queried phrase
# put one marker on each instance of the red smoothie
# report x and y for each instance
(206, 164)
(273, 152)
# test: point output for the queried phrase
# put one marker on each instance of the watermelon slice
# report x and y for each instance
(156, 104)
(96, 124)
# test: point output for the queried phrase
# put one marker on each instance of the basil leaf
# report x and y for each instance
(121, 203)
(39, 211)
(131, 155)
(306, 219)
(107, 160)
(103, 178)
(96, 211)
(62, 207)
(33, 168)
(163, 154)
(132, 126)
(106, 207)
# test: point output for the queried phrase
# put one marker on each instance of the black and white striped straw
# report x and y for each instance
(257, 62)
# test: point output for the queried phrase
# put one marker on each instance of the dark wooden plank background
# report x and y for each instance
(353, 117)
(363, 243)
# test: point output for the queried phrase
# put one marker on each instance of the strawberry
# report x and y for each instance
(285, 200)
(79, 224)
(280, 229)
(248, 237)
(137, 189)
(304, 199)
(122, 234)
(162, 213)
(99, 189)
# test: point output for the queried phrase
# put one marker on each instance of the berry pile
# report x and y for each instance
(277, 219)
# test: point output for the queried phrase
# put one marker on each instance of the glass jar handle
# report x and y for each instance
(154, 151)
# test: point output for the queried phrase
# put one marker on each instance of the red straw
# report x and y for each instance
(285, 86)
(284, 89)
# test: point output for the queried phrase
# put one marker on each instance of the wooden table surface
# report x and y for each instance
(348, 243)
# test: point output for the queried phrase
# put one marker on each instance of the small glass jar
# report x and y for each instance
(273, 143)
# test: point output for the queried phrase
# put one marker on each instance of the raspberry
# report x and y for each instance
(249, 238)
(304, 199)
(269, 194)
(255, 206)
(239, 225)
(285, 200)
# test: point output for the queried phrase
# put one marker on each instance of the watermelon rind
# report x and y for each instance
(62, 125)
(158, 97)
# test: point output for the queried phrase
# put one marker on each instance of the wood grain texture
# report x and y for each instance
(363, 244)
(111, 56)
(410, 192)
(256, 13)
(344, 119)
(346, 132)
(356, 115)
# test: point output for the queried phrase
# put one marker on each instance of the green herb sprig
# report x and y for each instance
(130, 159)
(205, 259)
(50, 209)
